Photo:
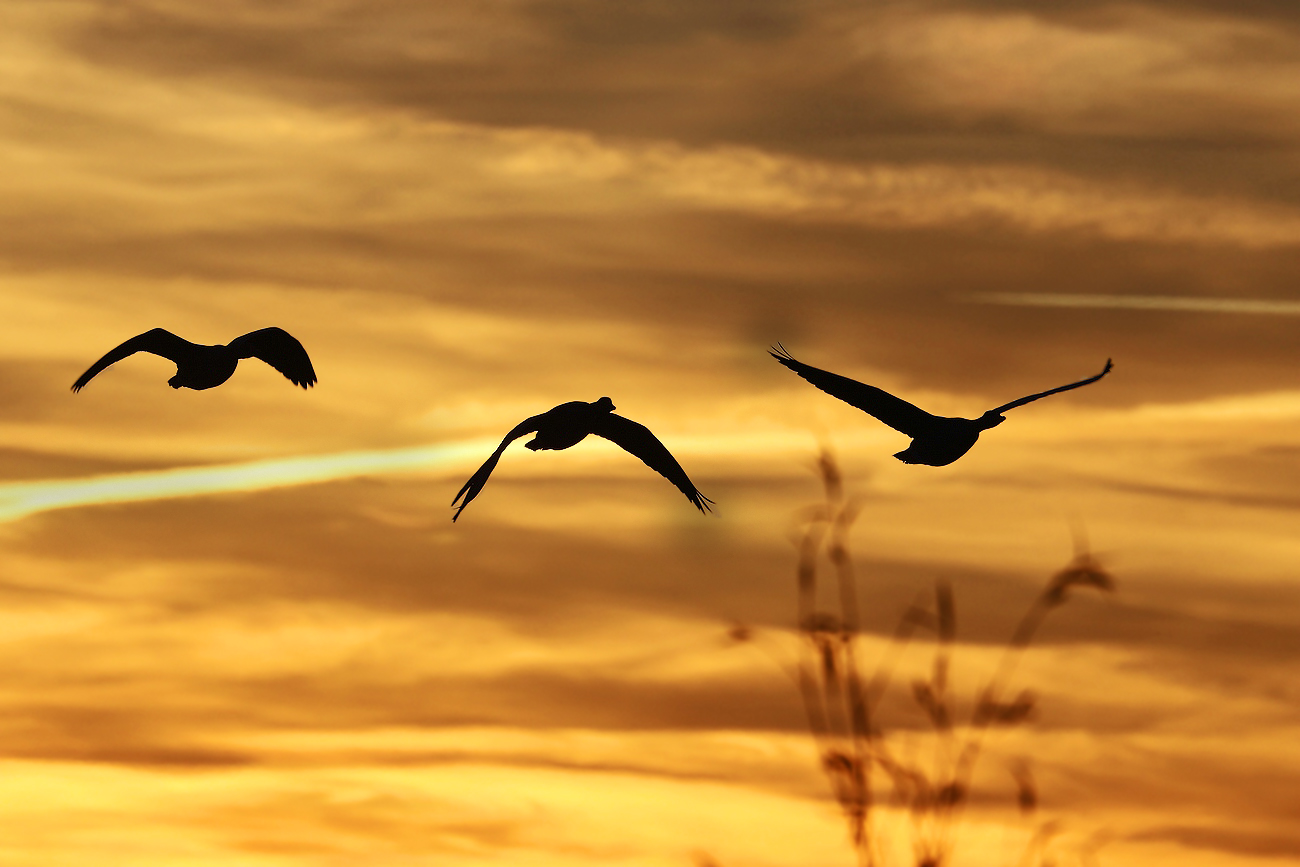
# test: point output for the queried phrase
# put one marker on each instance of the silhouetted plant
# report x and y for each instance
(841, 705)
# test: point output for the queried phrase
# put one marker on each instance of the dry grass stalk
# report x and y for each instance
(840, 705)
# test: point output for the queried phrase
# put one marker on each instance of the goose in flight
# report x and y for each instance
(936, 440)
(569, 424)
(200, 367)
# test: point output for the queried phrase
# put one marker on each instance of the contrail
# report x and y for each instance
(20, 499)
(1143, 302)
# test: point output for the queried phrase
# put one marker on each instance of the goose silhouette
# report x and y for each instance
(199, 366)
(570, 423)
(936, 440)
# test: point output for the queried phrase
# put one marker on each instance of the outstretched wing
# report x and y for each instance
(281, 350)
(1033, 397)
(476, 482)
(638, 440)
(158, 341)
(893, 411)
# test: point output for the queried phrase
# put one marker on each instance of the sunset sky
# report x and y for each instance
(238, 627)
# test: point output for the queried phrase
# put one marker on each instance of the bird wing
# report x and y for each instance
(893, 411)
(281, 350)
(476, 482)
(158, 341)
(1033, 397)
(638, 440)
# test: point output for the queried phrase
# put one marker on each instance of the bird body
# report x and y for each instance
(204, 367)
(948, 439)
(200, 367)
(568, 424)
(936, 440)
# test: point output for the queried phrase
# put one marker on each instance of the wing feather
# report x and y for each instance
(893, 411)
(1033, 397)
(471, 489)
(637, 439)
(281, 350)
(157, 341)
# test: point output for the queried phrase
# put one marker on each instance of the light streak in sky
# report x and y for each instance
(20, 499)
(1144, 302)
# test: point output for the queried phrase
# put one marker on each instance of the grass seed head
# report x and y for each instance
(1084, 571)
(1026, 791)
(740, 633)
(950, 795)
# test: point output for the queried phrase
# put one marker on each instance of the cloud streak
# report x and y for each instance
(23, 499)
(1260, 307)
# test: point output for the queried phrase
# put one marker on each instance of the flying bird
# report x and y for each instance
(569, 424)
(200, 367)
(936, 440)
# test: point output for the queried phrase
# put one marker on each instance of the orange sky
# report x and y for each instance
(237, 627)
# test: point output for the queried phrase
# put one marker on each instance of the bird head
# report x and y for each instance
(605, 405)
(991, 419)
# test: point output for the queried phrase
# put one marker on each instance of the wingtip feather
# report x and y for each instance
(783, 356)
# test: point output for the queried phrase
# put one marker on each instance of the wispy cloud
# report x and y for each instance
(22, 499)
(1136, 73)
(28, 498)
(1266, 307)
